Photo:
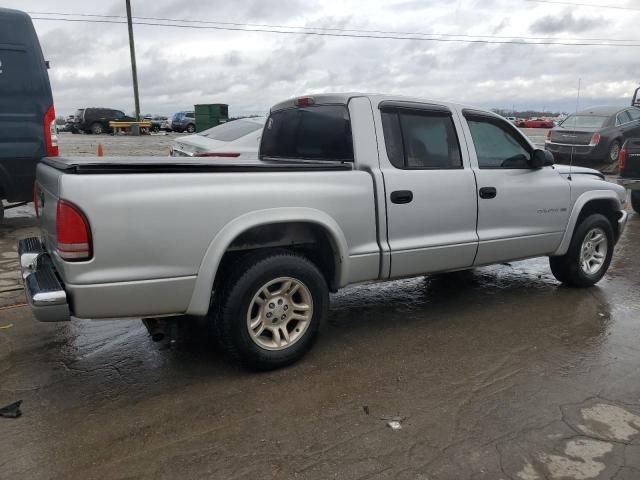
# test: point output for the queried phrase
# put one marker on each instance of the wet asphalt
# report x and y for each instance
(496, 373)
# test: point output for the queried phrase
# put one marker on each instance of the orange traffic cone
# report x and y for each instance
(100, 152)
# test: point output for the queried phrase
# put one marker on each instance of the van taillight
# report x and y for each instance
(50, 132)
(72, 233)
(622, 159)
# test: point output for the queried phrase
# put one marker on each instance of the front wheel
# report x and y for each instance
(635, 200)
(270, 311)
(589, 254)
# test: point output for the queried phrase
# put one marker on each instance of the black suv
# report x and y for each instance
(27, 119)
(96, 120)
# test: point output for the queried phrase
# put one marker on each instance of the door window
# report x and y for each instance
(634, 113)
(623, 117)
(496, 144)
(421, 139)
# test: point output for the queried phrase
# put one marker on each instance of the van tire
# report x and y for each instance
(234, 304)
(97, 128)
(568, 268)
(635, 200)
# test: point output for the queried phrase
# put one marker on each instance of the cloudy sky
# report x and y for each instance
(178, 67)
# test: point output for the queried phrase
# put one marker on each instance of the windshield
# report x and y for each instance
(230, 131)
(178, 116)
(584, 121)
(320, 132)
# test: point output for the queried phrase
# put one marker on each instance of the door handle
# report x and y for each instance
(488, 192)
(402, 196)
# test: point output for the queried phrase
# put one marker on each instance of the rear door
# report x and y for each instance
(632, 128)
(522, 212)
(25, 97)
(430, 189)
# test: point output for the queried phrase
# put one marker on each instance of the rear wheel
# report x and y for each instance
(614, 152)
(269, 311)
(589, 254)
(635, 200)
(191, 128)
(96, 128)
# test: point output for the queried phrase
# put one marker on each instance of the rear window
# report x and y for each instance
(321, 132)
(587, 121)
(17, 77)
(230, 131)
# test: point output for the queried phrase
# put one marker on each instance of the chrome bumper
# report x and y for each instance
(45, 293)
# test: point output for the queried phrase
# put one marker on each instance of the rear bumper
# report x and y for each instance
(44, 290)
(630, 183)
(577, 152)
(622, 222)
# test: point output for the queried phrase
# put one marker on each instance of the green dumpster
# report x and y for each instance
(210, 115)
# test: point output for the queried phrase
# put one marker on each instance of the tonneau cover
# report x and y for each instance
(104, 165)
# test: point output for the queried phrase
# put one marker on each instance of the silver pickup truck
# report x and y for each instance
(347, 188)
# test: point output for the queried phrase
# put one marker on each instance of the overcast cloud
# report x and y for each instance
(179, 67)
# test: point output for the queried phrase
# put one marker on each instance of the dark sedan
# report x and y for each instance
(594, 135)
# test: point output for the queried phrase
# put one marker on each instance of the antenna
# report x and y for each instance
(573, 145)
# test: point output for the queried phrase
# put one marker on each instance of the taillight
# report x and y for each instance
(304, 101)
(50, 132)
(72, 233)
(217, 154)
(622, 159)
(595, 139)
(549, 136)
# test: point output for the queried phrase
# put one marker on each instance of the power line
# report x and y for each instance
(557, 2)
(346, 35)
(334, 29)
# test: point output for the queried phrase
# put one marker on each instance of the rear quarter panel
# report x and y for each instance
(147, 227)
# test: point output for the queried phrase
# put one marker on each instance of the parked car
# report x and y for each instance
(158, 123)
(184, 122)
(595, 134)
(629, 162)
(238, 138)
(512, 120)
(28, 120)
(535, 123)
(96, 120)
(347, 188)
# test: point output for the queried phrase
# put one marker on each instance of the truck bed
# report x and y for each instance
(123, 165)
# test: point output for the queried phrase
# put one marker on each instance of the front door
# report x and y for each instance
(522, 212)
(430, 190)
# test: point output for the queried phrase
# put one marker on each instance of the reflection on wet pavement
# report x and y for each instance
(496, 373)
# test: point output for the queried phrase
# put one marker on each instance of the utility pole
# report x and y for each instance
(134, 70)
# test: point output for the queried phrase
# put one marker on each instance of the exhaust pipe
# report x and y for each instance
(156, 328)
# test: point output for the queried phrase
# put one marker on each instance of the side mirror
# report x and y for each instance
(541, 158)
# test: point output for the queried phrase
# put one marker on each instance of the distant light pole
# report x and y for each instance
(134, 70)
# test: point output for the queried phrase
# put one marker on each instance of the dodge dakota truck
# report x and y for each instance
(346, 188)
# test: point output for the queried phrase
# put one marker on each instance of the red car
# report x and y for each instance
(535, 123)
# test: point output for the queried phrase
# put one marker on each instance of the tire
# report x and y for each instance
(74, 131)
(614, 152)
(97, 128)
(635, 200)
(191, 128)
(569, 268)
(1, 211)
(250, 311)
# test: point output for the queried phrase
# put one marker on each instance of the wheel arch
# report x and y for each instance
(605, 202)
(258, 230)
